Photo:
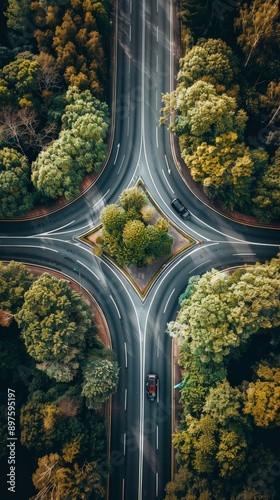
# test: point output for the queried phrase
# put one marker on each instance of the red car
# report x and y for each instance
(151, 386)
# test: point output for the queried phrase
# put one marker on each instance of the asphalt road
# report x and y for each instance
(146, 51)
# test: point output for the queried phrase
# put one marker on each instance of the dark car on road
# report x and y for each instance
(180, 208)
(151, 386)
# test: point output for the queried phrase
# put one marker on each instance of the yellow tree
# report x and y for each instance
(263, 397)
(258, 23)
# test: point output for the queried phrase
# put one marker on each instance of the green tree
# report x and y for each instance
(203, 114)
(15, 280)
(55, 322)
(126, 234)
(15, 184)
(222, 314)
(79, 149)
(101, 375)
(113, 218)
(133, 199)
(211, 60)
(21, 76)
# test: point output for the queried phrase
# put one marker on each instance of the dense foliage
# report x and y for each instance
(225, 108)
(52, 56)
(127, 235)
(228, 324)
(15, 186)
(44, 321)
(79, 149)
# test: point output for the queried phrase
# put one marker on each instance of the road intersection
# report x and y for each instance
(141, 430)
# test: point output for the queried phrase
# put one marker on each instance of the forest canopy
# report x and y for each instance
(225, 109)
(62, 374)
(53, 56)
(228, 335)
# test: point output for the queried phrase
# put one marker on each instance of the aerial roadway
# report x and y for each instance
(145, 57)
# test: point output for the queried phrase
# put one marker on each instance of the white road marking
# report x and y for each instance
(121, 165)
(118, 148)
(202, 264)
(168, 300)
(124, 443)
(32, 246)
(57, 229)
(101, 199)
(157, 33)
(157, 437)
(125, 354)
(81, 263)
(115, 306)
(167, 181)
(168, 168)
(157, 136)
(125, 399)
(243, 254)
(130, 33)
(156, 484)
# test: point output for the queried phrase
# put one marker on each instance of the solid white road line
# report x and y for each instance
(115, 306)
(168, 300)
(101, 199)
(57, 229)
(243, 254)
(202, 264)
(81, 263)
(167, 181)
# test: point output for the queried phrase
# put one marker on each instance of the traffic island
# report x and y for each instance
(142, 278)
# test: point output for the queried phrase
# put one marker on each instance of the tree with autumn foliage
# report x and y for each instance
(75, 33)
(68, 480)
(127, 233)
(215, 440)
(258, 23)
(262, 400)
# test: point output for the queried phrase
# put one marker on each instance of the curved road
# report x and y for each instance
(141, 430)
